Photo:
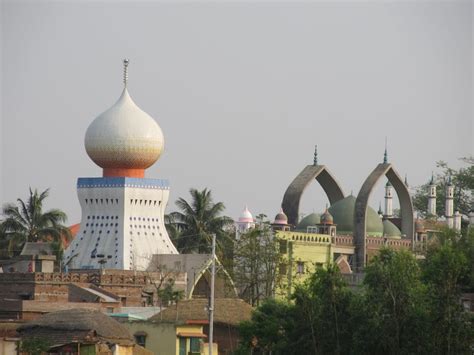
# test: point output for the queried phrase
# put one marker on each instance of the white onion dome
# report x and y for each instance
(124, 137)
(281, 218)
(246, 216)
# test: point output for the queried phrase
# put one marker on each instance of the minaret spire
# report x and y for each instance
(315, 159)
(125, 72)
(385, 155)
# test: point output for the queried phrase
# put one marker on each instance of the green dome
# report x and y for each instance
(390, 229)
(343, 214)
(310, 220)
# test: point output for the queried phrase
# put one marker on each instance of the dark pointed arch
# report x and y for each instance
(362, 201)
(292, 197)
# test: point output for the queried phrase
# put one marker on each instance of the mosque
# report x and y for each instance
(349, 232)
(122, 223)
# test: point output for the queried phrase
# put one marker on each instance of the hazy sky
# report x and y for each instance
(242, 91)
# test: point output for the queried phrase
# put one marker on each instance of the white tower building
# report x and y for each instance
(244, 223)
(388, 200)
(432, 197)
(449, 204)
(457, 221)
(122, 222)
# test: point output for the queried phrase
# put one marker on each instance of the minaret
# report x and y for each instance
(432, 197)
(122, 223)
(244, 223)
(457, 221)
(388, 200)
(449, 204)
(471, 218)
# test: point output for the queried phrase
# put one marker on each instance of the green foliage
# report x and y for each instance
(463, 181)
(322, 313)
(168, 294)
(393, 304)
(269, 329)
(447, 268)
(404, 306)
(26, 222)
(192, 227)
(35, 345)
(256, 258)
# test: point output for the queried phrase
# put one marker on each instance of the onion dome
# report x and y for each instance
(124, 140)
(419, 226)
(326, 218)
(281, 218)
(246, 216)
(390, 230)
(343, 215)
(310, 220)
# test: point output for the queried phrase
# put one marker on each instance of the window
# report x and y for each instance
(300, 267)
(182, 346)
(283, 249)
(282, 269)
(195, 345)
(140, 338)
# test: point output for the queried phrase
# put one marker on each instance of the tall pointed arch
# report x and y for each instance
(292, 197)
(360, 211)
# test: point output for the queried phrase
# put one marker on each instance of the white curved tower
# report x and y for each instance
(245, 222)
(449, 203)
(457, 221)
(122, 222)
(388, 200)
(432, 197)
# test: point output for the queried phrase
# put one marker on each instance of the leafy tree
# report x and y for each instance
(256, 260)
(197, 221)
(463, 182)
(35, 345)
(26, 222)
(268, 329)
(323, 308)
(394, 306)
(445, 270)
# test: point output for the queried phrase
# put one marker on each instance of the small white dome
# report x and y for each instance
(246, 216)
(124, 137)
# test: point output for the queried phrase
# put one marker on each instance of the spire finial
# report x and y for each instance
(125, 72)
(432, 178)
(406, 180)
(385, 155)
(315, 159)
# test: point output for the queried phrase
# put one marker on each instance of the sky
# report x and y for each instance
(243, 91)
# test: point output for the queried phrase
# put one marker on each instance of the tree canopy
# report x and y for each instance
(191, 228)
(27, 222)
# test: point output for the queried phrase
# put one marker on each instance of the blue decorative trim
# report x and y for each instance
(123, 182)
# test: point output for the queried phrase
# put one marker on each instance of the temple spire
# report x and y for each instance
(315, 159)
(125, 72)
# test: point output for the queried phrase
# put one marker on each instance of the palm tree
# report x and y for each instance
(192, 228)
(26, 222)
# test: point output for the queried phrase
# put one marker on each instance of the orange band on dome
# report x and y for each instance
(124, 172)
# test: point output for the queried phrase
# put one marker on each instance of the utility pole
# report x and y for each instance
(211, 306)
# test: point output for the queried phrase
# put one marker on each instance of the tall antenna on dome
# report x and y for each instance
(385, 155)
(125, 72)
(315, 159)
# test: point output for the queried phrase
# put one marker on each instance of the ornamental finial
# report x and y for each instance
(315, 159)
(385, 155)
(125, 72)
